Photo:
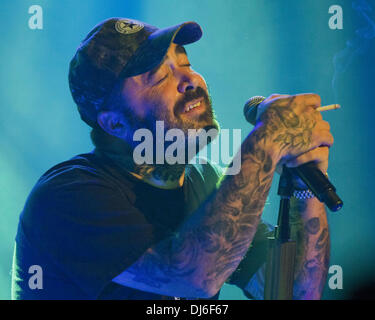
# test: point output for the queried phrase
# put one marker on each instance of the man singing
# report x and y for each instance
(101, 226)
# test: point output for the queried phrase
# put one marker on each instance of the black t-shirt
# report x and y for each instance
(87, 220)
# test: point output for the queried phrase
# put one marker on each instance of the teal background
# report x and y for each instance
(249, 47)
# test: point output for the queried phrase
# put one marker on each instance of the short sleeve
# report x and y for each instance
(87, 227)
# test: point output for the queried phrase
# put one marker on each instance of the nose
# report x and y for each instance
(187, 82)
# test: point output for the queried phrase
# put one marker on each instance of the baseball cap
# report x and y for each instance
(116, 49)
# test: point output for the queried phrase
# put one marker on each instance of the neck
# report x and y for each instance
(164, 176)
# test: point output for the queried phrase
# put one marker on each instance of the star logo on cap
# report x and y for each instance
(127, 26)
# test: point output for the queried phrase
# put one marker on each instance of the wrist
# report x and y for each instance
(256, 142)
(305, 209)
(303, 194)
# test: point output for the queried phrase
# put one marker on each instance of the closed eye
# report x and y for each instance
(166, 76)
(161, 80)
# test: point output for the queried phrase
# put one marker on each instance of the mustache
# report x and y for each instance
(190, 95)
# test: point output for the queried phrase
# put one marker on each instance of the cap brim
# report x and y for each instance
(151, 53)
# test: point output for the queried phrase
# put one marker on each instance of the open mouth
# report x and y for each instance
(193, 105)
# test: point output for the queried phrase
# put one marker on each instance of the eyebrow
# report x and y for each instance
(178, 50)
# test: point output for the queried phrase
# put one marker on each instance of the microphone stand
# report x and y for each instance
(279, 276)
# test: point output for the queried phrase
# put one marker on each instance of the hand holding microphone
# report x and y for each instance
(297, 130)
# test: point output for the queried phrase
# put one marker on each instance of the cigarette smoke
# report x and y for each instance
(356, 46)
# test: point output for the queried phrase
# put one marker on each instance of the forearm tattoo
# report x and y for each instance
(210, 244)
(313, 248)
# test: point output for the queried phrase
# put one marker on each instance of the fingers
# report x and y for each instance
(302, 101)
(295, 124)
(313, 113)
(308, 99)
(318, 155)
(324, 125)
(307, 103)
(276, 95)
(321, 135)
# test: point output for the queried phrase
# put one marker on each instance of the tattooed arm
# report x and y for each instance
(212, 241)
(209, 245)
(309, 228)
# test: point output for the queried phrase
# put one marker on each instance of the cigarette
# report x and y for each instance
(329, 107)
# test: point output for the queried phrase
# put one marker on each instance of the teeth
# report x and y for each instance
(192, 106)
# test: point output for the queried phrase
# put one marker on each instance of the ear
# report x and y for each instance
(111, 122)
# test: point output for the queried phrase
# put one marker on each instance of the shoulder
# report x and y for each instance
(80, 171)
(81, 182)
(80, 167)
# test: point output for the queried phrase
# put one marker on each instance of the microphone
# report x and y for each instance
(309, 173)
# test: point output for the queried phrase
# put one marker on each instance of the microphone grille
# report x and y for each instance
(250, 108)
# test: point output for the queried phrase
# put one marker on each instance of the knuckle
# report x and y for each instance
(316, 97)
(270, 99)
(318, 115)
(329, 139)
(327, 125)
(298, 98)
(278, 99)
(313, 97)
(332, 139)
(274, 95)
(309, 99)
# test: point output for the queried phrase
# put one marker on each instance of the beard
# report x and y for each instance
(173, 120)
(203, 121)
